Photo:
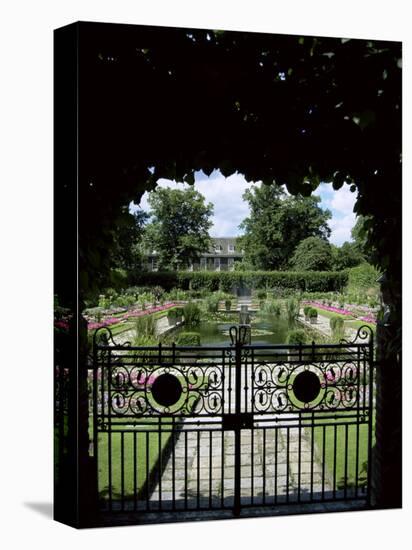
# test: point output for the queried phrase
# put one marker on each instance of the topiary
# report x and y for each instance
(297, 336)
(313, 315)
(306, 310)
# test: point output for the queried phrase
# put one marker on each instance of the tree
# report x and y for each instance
(359, 234)
(179, 231)
(127, 250)
(278, 223)
(346, 256)
(312, 254)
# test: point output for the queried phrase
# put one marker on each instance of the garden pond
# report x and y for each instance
(267, 330)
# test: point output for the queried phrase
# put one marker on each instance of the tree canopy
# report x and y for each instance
(293, 110)
(277, 224)
(359, 235)
(346, 256)
(179, 231)
(312, 254)
(127, 252)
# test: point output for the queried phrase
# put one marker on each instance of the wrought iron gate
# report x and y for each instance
(227, 427)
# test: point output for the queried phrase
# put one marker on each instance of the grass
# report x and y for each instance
(142, 447)
(358, 324)
(352, 436)
(350, 322)
(330, 314)
(138, 448)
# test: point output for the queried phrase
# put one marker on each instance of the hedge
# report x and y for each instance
(307, 281)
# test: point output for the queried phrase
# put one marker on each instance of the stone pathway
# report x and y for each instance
(323, 326)
(201, 469)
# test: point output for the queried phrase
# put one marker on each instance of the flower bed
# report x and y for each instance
(342, 311)
(129, 315)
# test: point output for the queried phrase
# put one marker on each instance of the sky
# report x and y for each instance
(230, 209)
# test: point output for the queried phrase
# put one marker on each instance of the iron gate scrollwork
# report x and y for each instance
(227, 427)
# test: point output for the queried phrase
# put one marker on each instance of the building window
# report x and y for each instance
(217, 263)
(218, 248)
(231, 248)
(202, 263)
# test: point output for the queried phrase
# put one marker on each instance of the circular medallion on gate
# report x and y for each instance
(306, 386)
(166, 390)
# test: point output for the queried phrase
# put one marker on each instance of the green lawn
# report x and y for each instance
(358, 324)
(142, 447)
(357, 439)
(350, 322)
(329, 314)
(137, 448)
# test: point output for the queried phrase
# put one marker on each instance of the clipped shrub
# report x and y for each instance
(306, 310)
(297, 336)
(188, 339)
(283, 283)
(174, 315)
(313, 315)
(336, 324)
(191, 314)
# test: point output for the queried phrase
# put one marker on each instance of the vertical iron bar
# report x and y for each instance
(238, 395)
(173, 463)
(312, 452)
(210, 468)
(334, 459)
(185, 469)
(122, 468)
(264, 464)
(159, 445)
(287, 463)
(252, 465)
(370, 417)
(358, 375)
(109, 421)
(276, 465)
(198, 468)
(346, 461)
(135, 469)
(299, 453)
(222, 473)
(95, 411)
(147, 470)
(323, 460)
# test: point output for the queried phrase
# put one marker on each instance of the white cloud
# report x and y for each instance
(341, 204)
(343, 201)
(230, 209)
(341, 228)
(226, 196)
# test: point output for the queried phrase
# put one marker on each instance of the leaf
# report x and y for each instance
(190, 178)
(338, 180)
